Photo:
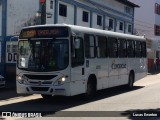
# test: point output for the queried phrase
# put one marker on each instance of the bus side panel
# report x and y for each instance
(131, 65)
(113, 73)
(77, 83)
(90, 69)
(123, 71)
(141, 70)
(102, 73)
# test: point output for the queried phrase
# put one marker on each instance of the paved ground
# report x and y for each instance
(144, 96)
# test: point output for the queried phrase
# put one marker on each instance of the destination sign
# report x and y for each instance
(43, 32)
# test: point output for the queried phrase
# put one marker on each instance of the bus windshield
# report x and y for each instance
(43, 55)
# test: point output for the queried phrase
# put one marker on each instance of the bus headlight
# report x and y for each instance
(18, 78)
(21, 79)
(60, 81)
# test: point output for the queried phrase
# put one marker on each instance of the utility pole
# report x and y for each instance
(43, 11)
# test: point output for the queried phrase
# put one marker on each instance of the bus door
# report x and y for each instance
(77, 66)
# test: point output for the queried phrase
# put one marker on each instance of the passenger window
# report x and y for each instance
(144, 49)
(113, 47)
(102, 47)
(122, 48)
(131, 48)
(138, 51)
(89, 46)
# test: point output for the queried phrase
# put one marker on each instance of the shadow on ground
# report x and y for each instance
(53, 106)
(7, 93)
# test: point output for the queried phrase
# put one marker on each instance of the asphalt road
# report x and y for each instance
(118, 103)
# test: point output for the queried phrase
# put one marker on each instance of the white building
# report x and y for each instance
(147, 22)
(114, 15)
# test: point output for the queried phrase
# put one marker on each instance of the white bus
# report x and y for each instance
(68, 60)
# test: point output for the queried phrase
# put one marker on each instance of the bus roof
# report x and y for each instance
(91, 31)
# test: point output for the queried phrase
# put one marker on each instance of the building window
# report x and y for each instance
(99, 20)
(129, 28)
(128, 10)
(157, 30)
(157, 8)
(120, 25)
(85, 16)
(51, 4)
(62, 10)
(110, 24)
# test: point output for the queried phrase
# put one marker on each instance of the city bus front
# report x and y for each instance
(43, 61)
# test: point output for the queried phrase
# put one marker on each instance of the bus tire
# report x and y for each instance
(130, 81)
(91, 89)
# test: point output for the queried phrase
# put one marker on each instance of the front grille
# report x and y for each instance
(40, 88)
(40, 77)
(41, 83)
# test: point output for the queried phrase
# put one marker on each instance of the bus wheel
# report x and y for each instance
(130, 81)
(46, 97)
(91, 89)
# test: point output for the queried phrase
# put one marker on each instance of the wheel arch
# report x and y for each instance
(92, 78)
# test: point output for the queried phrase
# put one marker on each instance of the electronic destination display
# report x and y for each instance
(44, 32)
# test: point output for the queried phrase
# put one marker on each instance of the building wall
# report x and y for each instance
(145, 21)
(109, 9)
(20, 13)
(94, 22)
(79, 18)
(157, 17)
(112, 4)
(50, 12)
(145, 17)
(70, 14)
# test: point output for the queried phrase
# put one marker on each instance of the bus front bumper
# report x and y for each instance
(48, 90)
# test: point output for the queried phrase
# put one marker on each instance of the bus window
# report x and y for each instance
(112, 47)
(78, 59)
(89, 46)
(144, 49)
(122, 48)
(138, 49)
(102, 47)
(130, 49)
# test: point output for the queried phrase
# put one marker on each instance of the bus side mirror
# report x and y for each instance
(77, 43)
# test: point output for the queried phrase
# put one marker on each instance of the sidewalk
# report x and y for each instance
(153, 71)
